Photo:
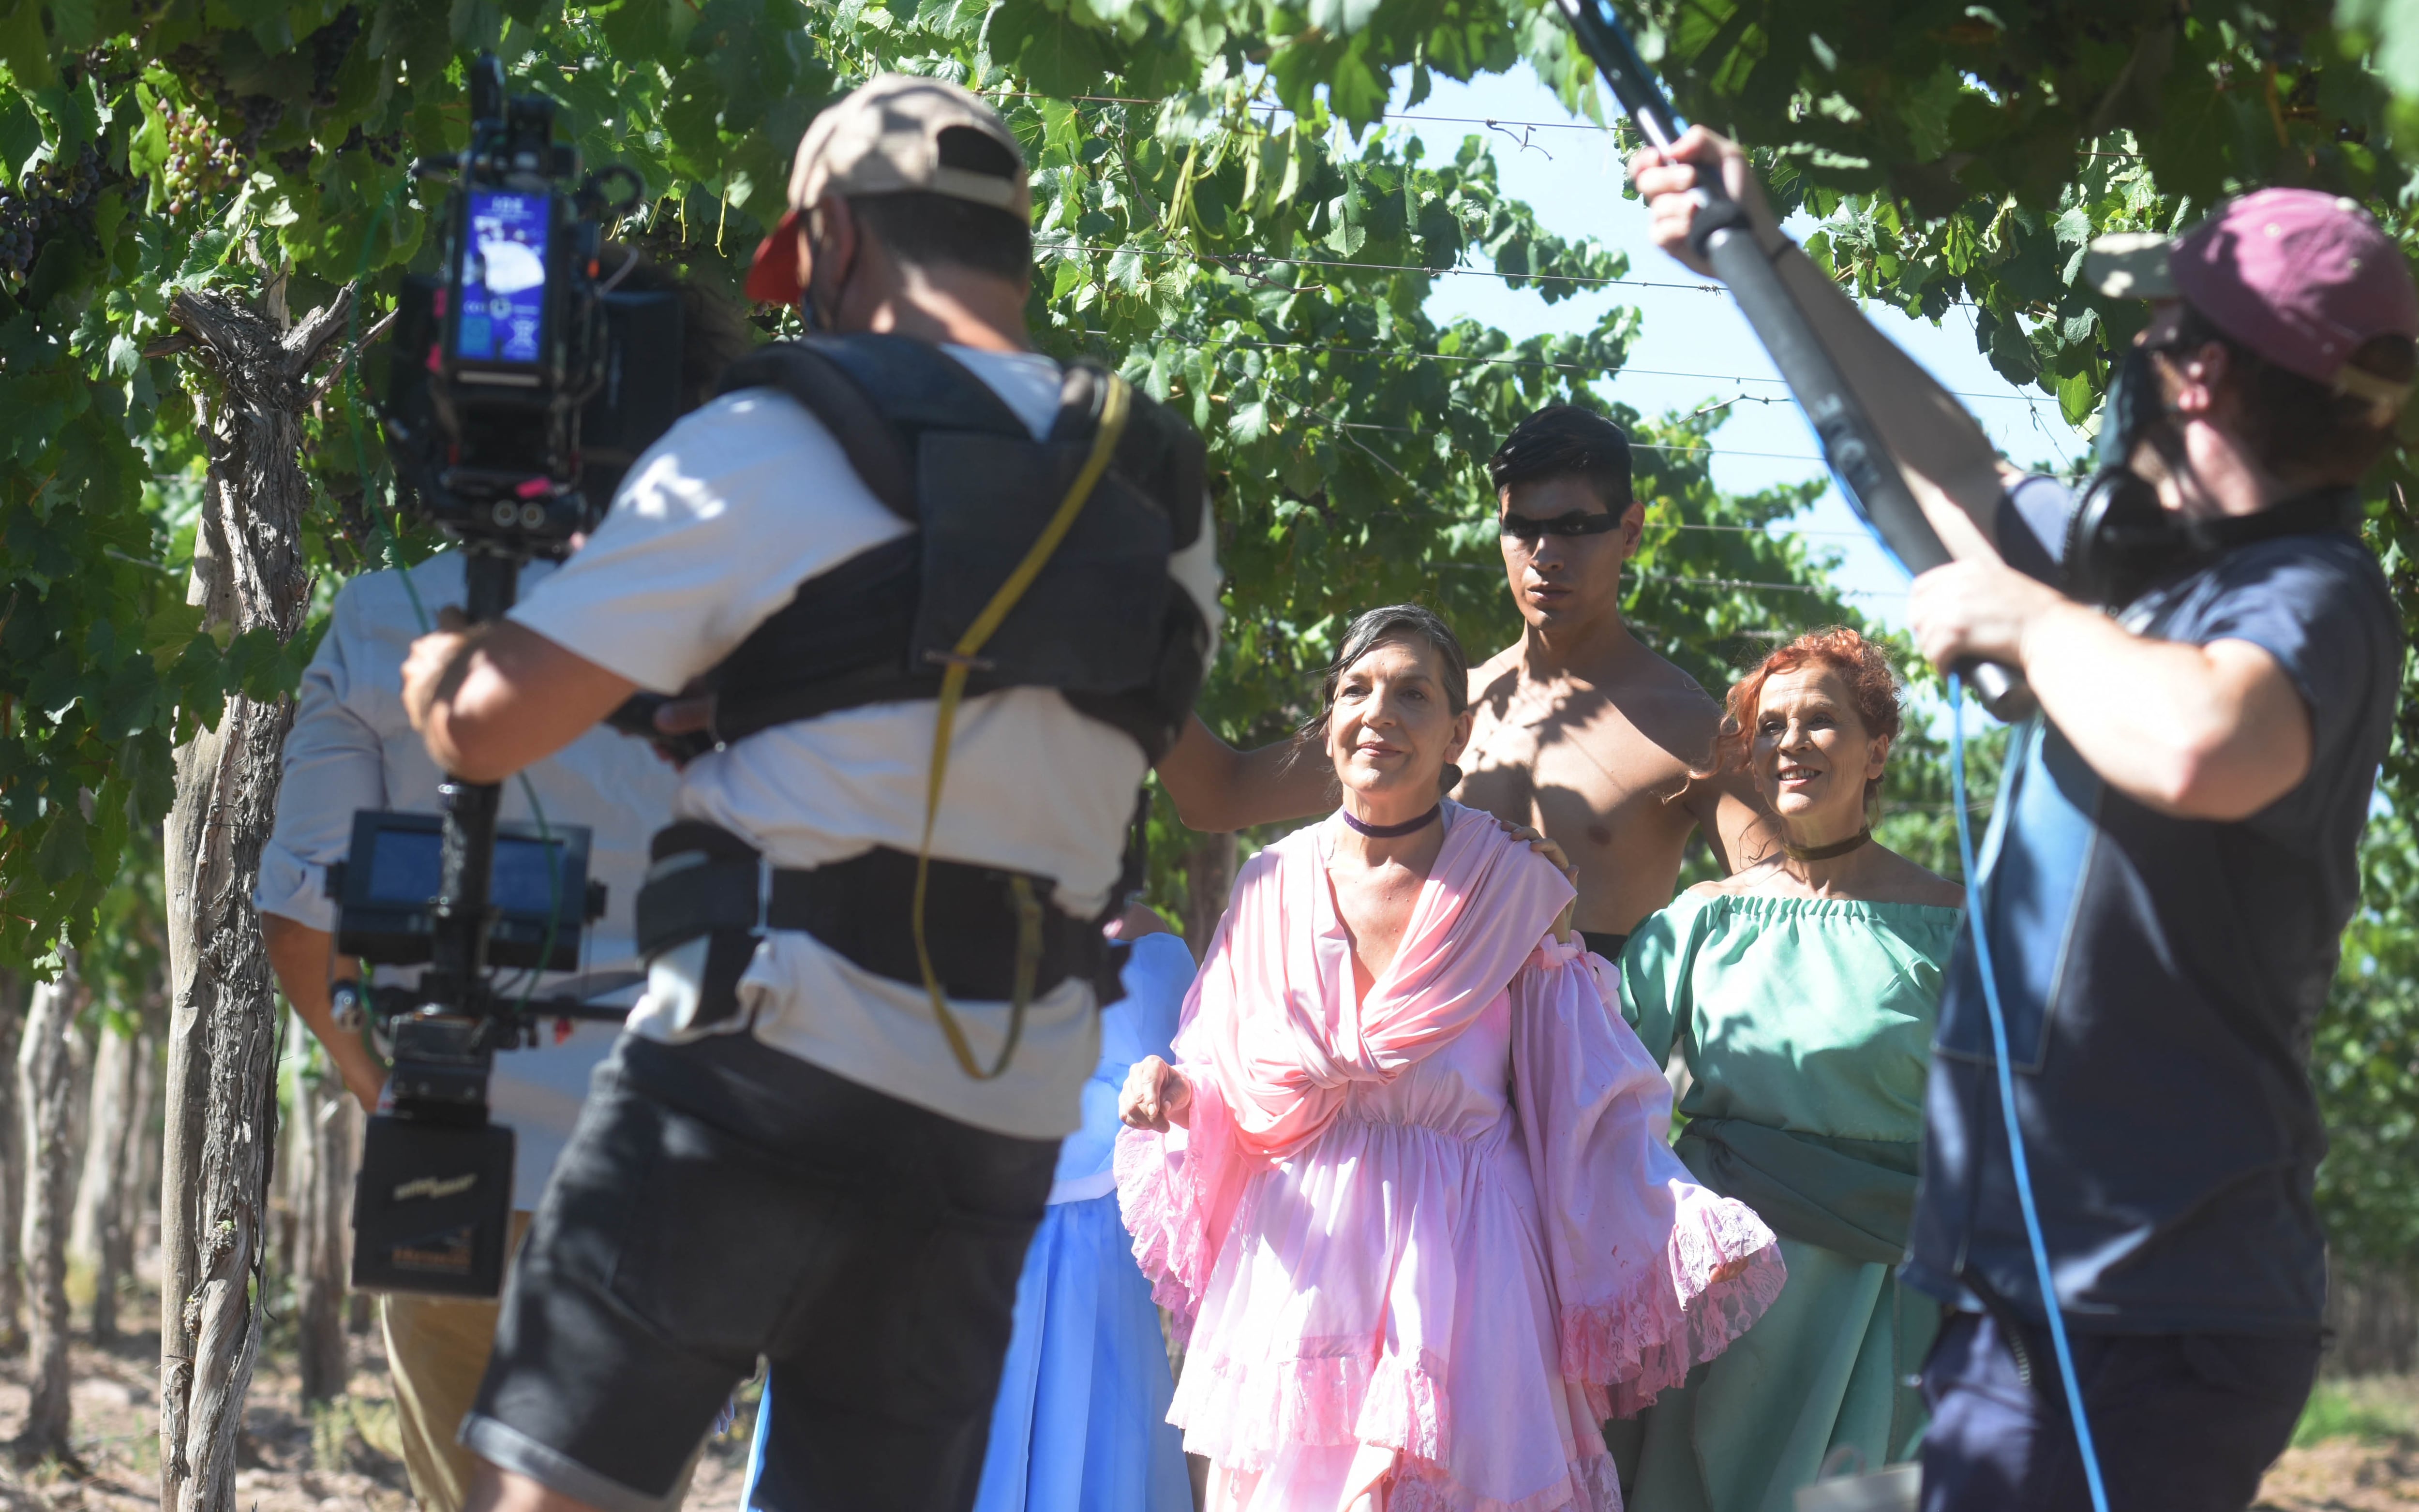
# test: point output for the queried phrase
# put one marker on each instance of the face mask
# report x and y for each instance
(810, 311)
(2137, 406)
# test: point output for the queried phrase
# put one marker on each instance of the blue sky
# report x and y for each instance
(1572, 178)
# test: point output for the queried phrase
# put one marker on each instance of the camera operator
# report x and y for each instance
(351, 748)
(800, 1151)
(2173, 858)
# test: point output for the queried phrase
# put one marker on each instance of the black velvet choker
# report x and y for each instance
(1393, 831)
(1837, 847)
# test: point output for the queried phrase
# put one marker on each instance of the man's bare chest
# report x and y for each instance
(1600, 764)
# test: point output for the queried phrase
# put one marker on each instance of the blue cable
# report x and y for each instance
(2008, 1098)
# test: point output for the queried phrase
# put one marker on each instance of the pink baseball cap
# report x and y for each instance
(2299, 277)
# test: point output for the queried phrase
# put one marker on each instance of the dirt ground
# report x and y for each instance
(346, 1456)
(2359, 1453)
(2345, 1475)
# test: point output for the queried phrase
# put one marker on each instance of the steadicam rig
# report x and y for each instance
(521, 384)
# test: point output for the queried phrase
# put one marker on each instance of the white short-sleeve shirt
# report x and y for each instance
(351, 747)
(711, 533)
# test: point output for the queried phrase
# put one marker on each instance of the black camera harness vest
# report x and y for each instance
(1032, 564)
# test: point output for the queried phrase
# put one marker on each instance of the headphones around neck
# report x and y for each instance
(2121, 543)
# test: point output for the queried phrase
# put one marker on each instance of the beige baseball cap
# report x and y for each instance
(893, 136)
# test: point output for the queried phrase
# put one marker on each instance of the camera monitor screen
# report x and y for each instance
(404, 870)
(538, 887)
(502, 317)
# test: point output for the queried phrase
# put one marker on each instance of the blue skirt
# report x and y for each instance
(1081, 1422)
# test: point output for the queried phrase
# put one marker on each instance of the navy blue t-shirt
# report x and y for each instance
(2159, 978)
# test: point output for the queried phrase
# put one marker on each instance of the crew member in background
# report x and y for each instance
(351, 748)
(2173, 857)
(1581, 731)
(829, 1133)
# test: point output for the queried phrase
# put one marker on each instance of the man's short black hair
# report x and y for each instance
(1565, 441)
(923, 228)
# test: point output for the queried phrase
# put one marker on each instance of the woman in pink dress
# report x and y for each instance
(1407, 1191)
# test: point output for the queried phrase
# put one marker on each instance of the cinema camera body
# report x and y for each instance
(522, 385)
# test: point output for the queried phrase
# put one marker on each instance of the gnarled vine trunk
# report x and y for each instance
(12, 1169)
(325, 1148)
(138, 1200)
(97, 1238)
(46, 1077)
(221, 1087)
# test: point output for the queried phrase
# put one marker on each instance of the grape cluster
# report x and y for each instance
(224, 134)
(385, 149)
(213, 142)
(16, 236)
(331, 45)
(200, 163)
(56, 195)
(261, 114)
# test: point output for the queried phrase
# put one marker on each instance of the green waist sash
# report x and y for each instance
(1853, 1196)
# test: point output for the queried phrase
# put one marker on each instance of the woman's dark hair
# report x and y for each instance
(924, 229)
(2299, 428)
(1411, 622)
(1565, 441)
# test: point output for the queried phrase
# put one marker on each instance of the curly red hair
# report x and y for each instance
(1861, 664)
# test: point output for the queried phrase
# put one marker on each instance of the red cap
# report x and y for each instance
(775, 277)
(890, 136)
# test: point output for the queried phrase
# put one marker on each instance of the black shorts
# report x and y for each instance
(721, 1201)
(2183, 1422)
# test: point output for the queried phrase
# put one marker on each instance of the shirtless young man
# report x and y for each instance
(1581, 732)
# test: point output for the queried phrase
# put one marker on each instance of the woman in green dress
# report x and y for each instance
(1801, 991)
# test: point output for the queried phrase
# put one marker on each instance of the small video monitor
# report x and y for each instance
(387, 891)
(501, 321)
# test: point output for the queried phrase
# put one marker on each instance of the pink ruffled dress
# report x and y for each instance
(1420, 1245)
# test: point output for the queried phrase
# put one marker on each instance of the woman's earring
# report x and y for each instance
(1450, 779)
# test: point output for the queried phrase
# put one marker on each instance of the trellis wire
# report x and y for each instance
(1045, 247)
(1413, 354)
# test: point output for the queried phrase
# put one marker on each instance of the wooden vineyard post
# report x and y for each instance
(220, 1087)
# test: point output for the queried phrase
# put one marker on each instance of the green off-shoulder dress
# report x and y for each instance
(1807, 1028)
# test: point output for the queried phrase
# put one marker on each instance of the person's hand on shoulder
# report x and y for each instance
(1560, 860)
